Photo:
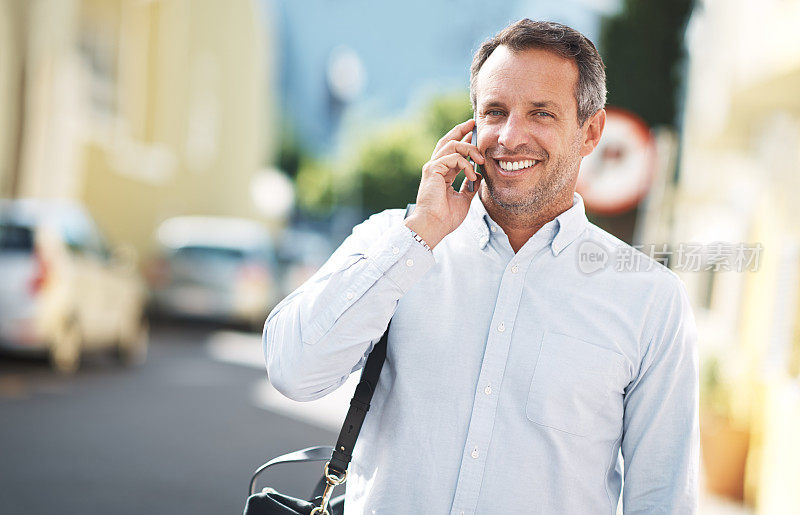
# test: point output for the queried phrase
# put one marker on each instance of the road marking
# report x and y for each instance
(327, 413)
(244, 349)
(237, 348)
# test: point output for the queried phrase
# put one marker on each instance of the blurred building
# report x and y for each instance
(141, 109)
(739, 179)
(351, 63)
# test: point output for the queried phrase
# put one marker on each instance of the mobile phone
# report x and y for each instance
(476, 167)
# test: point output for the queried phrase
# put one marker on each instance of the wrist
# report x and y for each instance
(429, 231)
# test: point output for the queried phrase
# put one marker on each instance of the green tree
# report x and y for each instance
(290, 152)
(446, 111)
(643, 49)
(314, 185)
(387, 164)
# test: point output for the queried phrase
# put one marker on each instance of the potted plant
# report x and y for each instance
(724, 432)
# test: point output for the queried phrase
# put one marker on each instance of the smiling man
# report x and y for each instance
(515, 381)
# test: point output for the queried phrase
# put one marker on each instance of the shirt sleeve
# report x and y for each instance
(324, 330)
(660, 444)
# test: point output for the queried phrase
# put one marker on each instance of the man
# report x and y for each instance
(512, 379)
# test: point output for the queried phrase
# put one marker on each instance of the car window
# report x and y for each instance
(15, 238)
(264, 254)
(82, 236)
(207, 253)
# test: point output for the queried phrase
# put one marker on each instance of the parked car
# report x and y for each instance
(214, 268)
(301, 252)
(62, 290)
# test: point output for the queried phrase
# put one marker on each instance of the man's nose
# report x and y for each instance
(512, 133)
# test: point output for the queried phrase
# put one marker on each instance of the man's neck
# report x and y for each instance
(520, 227)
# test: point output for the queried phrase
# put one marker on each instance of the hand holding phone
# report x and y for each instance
(440, 210)
(471, 184)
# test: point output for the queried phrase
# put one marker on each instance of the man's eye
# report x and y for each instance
(494, 112)
(543, 114)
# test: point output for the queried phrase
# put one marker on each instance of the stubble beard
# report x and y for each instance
(528, 207)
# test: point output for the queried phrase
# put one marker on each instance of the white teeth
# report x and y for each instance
(516, 165)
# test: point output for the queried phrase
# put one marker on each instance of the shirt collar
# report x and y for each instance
(562, 230)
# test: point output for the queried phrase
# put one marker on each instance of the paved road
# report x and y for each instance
(180, 434)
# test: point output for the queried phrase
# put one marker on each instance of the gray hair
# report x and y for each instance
(590, 93)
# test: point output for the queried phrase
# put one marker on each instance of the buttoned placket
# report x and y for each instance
(490, 378)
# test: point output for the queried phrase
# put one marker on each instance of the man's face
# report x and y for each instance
(528, 129)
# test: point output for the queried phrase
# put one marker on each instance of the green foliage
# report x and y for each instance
(314, 185)
(445, 112)
(389, 166)
(642, 47)
(386, 168)
(290, 151)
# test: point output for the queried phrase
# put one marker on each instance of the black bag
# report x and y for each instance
(271, 502)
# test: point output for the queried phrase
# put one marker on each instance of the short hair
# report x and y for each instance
(590, 93)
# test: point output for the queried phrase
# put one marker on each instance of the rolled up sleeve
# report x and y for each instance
(323, 331)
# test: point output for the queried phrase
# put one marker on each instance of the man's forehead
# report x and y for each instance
(534, 75)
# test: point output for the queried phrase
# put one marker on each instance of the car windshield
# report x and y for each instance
(15, 238)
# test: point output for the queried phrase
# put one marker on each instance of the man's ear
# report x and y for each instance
(591, 131)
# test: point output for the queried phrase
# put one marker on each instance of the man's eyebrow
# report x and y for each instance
(492, 103)
(543, 104)
(546, 104)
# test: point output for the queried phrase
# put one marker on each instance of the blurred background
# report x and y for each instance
(170, 169)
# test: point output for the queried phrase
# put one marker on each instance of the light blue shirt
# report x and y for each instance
(511, 381)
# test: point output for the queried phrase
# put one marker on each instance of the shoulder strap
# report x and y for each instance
(359, 405)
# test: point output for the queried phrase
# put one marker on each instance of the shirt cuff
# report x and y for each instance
(401, 258)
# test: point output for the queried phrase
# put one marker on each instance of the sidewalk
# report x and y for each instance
(712, 505)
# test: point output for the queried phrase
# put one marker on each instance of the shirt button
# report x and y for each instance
(494, 229)
(395, 250)
(475, 453)
(514, 269)
(350, 295)
(488, 390)
(501, 327)
(409, 262)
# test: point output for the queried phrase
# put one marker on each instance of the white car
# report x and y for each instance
(302, 251)
(215, 268)
(62, 291)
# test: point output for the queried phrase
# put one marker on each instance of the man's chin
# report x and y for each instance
(512, 201)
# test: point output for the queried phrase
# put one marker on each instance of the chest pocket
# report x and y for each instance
(573, 380)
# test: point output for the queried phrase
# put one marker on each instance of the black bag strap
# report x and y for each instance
(359, 405)
(319, 453)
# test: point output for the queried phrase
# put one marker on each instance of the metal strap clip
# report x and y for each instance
(333, 481)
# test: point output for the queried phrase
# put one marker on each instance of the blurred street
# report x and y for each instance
(180, 434)
(177, 435)
(203, 160)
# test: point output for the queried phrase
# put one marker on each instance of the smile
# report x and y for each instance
(516, 166)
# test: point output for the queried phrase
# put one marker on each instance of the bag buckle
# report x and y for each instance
(333, 481)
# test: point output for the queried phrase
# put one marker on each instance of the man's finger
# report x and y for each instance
(448, 166)
(463, 187)
(456, 133)
(463, 148)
